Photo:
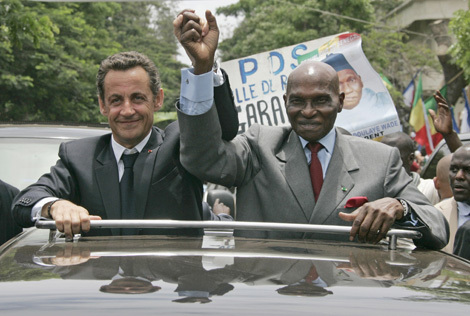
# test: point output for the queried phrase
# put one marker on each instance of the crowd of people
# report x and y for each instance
(308, 172)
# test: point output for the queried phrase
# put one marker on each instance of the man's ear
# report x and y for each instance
(284, 96)
(103, 108)
(341, 101)
(158, 103)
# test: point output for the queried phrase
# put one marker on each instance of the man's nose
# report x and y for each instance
(309, 110)
(460, 174)
(127, 107)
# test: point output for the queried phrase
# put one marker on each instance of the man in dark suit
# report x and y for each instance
(85, 182)
(8, 227)
(270, 165)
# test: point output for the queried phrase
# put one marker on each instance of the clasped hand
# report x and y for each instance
(198, 37)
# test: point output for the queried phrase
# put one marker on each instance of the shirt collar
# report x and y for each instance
(464, 208)
(328, 141)
(118, 149)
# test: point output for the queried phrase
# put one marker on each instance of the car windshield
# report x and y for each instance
(24, 160)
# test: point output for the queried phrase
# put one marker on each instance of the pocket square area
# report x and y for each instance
(356, 201)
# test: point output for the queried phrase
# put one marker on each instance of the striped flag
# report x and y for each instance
(421, 121)
(465, 123)
(409, 93)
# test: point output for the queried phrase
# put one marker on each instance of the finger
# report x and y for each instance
(211, 20)
(191, 34)
(433, 114)
(348, 217)
(94, 218)
(177, 25)
(75, 222)
(376, 232)
(365, 226)
(205, 27)
(357, 225)
(190, 15)
(84, 222)
(186, 10)
(59, 222)
(216, 201)
(384, 230)
(67, 226)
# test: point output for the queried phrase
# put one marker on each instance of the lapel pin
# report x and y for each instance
(344, 189)
(150, 151)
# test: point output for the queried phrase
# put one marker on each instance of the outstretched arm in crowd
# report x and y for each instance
(443, 122)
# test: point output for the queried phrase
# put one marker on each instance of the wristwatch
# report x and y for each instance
(406, 208)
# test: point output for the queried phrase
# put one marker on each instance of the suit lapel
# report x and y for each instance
(338, 182)
(297, 174)
(106, 172)
(143, 171)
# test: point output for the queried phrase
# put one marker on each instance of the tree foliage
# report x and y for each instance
(277, 23)
(50, 54)
(460, 51)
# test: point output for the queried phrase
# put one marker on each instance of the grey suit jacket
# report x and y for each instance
(270, 170)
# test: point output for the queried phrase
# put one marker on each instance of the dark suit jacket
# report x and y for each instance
(8, 227)
(87, 175)
(462, 241)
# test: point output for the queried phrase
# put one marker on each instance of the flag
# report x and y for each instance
(386, 82)
(409, 93)
(465, 122)
(455, 126)
(421, 121)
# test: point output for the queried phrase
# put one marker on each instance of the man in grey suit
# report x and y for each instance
(85, 182)
(270, 165)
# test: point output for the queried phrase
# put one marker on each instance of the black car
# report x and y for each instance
(219, 274)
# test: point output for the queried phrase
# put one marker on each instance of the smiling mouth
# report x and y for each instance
(309, 125)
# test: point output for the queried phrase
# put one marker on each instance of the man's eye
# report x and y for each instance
(297, 102)
(322, 100)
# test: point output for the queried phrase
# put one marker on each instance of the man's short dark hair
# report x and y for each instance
(124, 61)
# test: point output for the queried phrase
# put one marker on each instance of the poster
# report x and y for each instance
(259, 83)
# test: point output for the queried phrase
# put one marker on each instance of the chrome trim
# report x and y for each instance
(224, 225)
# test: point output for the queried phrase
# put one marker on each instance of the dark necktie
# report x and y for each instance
(316, 173)
(127, 187)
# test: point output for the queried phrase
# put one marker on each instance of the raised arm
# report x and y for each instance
(443, 122)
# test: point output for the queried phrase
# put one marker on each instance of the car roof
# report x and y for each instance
(222, 274)
(51, 131)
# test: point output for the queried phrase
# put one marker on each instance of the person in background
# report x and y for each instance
(8, 227)
(457, 209)
(405, 145)
(93, 179)
(270, 165)
(441, 180)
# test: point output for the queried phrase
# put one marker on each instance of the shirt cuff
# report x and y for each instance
(37, 208)
(197, 92)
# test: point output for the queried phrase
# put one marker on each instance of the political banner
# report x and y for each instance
(259, 83)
